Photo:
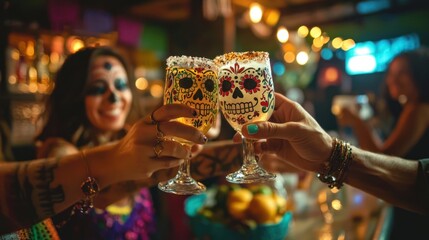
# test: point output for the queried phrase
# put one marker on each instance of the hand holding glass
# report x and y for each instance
(191, 81)
(246, 96)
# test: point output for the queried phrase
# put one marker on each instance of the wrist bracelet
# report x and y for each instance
(89, 188)
(334, 170)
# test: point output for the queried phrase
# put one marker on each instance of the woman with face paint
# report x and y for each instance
(91, 104)
(407, 100)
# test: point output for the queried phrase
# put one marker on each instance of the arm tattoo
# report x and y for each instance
(209, 163)
(216, 161)
(30, 197)
(46, 195)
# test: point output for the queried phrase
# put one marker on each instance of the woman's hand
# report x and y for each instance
(347, 118)
(293, 135)
(147, 147)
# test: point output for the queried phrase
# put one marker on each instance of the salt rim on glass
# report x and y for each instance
(191, 62)
(258, 56)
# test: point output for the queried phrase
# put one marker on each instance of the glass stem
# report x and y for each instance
(250, 158)
(184, 169)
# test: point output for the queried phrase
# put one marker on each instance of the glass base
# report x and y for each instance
(250, 175)
(187, 186)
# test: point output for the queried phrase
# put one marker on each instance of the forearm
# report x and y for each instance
(389, 178)
(35, 190)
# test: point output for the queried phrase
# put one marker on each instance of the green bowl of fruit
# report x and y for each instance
(234, 212)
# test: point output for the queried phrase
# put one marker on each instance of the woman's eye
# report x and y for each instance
(96, 90)
(121, 84)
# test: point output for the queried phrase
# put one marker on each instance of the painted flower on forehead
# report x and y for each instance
(237, 69)
(226, 85)
(250, 83)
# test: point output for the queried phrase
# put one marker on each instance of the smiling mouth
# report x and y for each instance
(203, 109)
(240, 108)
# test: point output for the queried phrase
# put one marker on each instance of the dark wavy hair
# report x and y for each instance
(418, 63)
(65, 107)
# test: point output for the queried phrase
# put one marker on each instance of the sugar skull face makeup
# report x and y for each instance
(193, 81)
(246, 91)
(108, 96)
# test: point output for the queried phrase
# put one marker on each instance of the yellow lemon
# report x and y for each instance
(237, 202)
(281, 203)
(262, 208)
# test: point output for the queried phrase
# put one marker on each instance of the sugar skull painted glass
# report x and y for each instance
(246, 95)
(191, 81)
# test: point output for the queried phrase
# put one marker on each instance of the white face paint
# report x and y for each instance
(246, 90)
(108, 96)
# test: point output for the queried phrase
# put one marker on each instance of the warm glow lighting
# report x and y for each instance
(315, 32)
(348, 44)
(328, 218)
(142, 83)
(337, 42)
(331, 74)
(255, 12)
(30, 49)
(302, 58)
(336, 204)
(273, 17)
(315, 49)
(322, 197)
(12, 79)
(303, 31)
(32, 73)
(289, 57)
(282, 34)
(76, 44)
(318, 42)
(57, 44)
(32, 87)
(55, 57)
(325, 38)
(15, 54)
(44, 59)
(288, 47)
(157, 90)
(324, 207)
(334, 190)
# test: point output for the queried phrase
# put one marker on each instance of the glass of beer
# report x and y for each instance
(191, 81)
(246, 95)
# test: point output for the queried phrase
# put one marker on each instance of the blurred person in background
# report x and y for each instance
(407, 100)
(89, 106)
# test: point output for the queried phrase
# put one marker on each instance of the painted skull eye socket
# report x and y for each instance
(186, 83)
(209, 85)
(249, 83)
(226, 86)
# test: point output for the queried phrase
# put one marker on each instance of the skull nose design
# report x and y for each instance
(113, 98)
(198, 95)
(237, 93)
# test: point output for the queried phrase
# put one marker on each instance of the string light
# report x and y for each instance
(255, 12)
(282, 34)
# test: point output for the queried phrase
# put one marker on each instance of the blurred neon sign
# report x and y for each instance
(369, 57)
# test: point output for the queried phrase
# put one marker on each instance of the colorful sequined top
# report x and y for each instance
(138, 224)
(44, 230)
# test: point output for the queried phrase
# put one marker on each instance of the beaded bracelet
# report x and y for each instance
(89, 188)
(334, 170)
